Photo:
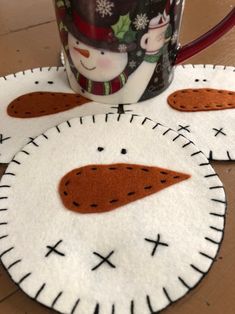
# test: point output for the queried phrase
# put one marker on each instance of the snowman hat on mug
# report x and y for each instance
(98, 23)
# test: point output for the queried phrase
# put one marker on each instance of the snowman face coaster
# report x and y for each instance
(110, 214)
(199, 104)
(33, 101)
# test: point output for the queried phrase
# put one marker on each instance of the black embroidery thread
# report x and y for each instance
(97, 309)
(132, 117)
(25, 152)
(184, 128)
(216, 187)
(196, 153)
(229, 157)
(16, 162)
(3, 139)
(104, 260)
(24, 278)
(216, 229)
(150, 305)
(3, 237)
(6, 251)
(212, 241)
(52, 249)
(219, 131)
(187, 144)
(39, 291)
(217, 215)
(197, 269)
(168, 130)
(32, 142)
(145, 119)
(219, 201)
(75, 306)
(178, 136)
(211, 175)
(167, 294)
(156, 125)
(207, 256)
(156, 243)
(184, 283)
(56, 299)
(14, 263)
(132, 307)
(44, 135)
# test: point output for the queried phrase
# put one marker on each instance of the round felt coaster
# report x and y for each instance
(200, 104)
(110, 214)
(33, 101)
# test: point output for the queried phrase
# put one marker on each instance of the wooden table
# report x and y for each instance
(28, 38)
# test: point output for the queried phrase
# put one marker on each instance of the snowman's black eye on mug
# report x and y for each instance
(77, 42)
(102, 52)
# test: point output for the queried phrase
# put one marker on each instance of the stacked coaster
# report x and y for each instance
(199, 104)
(33, 101)
(111, 213)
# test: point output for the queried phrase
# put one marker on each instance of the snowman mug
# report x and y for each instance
(124, 51)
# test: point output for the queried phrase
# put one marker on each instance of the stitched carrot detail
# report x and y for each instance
(102, 188)
(204, 99)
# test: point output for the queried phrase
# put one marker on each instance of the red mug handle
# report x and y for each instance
(207, 39)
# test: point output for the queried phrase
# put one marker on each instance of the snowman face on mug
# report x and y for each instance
(95, 64)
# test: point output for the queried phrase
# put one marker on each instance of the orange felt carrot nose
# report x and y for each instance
(102, 188)
(85, 53)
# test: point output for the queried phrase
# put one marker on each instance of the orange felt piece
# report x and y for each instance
(102, 188)
(40, 104)
(204, 99)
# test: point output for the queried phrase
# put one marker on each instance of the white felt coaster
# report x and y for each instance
(17, 132)
(212, 131)
(136, 258)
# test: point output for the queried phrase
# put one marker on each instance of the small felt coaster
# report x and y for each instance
(33, 101)
(110, 214)
(200, 104)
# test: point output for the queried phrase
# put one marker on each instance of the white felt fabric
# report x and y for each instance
(15, 132)
(201, 127)
(188, 216)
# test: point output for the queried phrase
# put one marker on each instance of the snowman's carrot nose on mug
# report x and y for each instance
(96, 189)
(85, 53)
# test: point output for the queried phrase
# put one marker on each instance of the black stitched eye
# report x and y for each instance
(197, 80)
(102, 52)
(123, 151)
(100, 149)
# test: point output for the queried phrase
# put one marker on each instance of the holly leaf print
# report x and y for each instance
(122, 26)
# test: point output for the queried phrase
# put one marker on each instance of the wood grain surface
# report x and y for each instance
(29, 38)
